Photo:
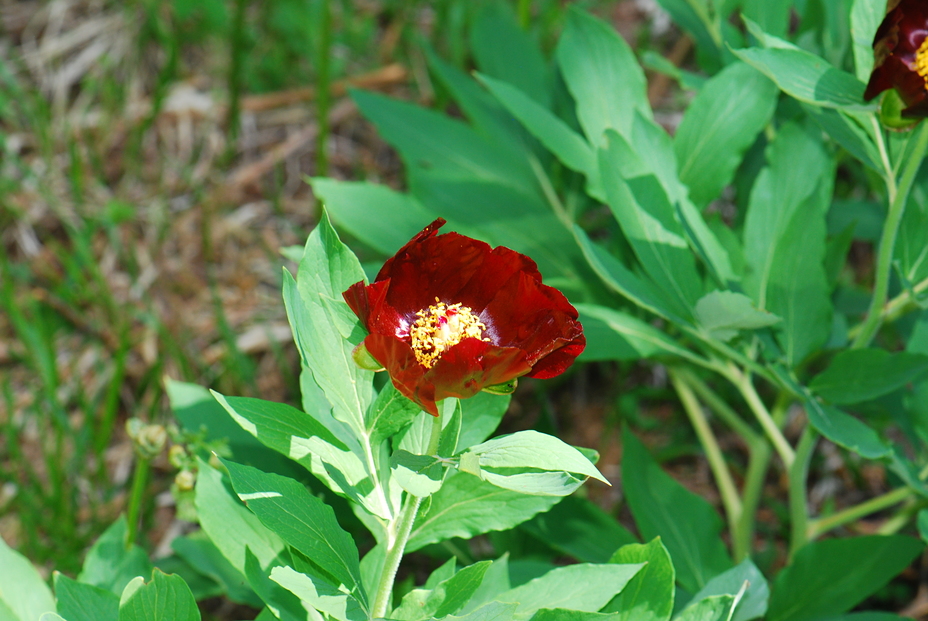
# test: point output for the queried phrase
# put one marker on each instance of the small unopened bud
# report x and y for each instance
(185, 480)
(506, 388)
(177, 456)
(149, 439)
(364, 359)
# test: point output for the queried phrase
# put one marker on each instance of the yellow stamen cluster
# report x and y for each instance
(921, 61)
(440, 326)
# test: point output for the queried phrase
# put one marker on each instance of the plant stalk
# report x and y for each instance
(398, 535)
(710, 445)
(746, 387)
(139, 481)
(798, 504)
(822, 525)
(874, 318)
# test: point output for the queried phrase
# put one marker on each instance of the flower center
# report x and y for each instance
(440, 326)
(921, 61)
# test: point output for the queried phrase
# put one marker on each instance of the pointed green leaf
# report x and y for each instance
(320, 594)
(718, 127)
(807, 77)
(110, 564)
(78, 601)
(832, 576)
(845, 430)
(578, 527)
(465, 507)
(722, 314)
(649, 595)
(22, 590)
(302, 520)
(753, 602)
(164, 598)
(602, 74)
(584, 587)
(615, 335)
(863, 374)
(657, 501)
(716, 608)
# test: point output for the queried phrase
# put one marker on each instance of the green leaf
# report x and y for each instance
(584, 587)
(390, 412)
(832, 576)
(481, 415)
(110, 564)
(203, 556)
(866, 16)
(648, 219)
(911, 249)
(84, 602)
(504, 50)
(353, 205)
(164, 598)
(484, 112)
(807, 77)
(302, 438)
(716, 608)
(657, 502)
(465, 507)
(622, 280)
(718, 127)
(22, 590)
(693, 16)
(230, 525)
(285, 604)
(863, 374)
(722, 314)
(649, 595)
(302, 520)
(615, 335)
(753, 602)
(420, 475)
(435, 145)
(198, 412)
(568, 146)
(845, 430)
(328, 268)
(923, 524)
(531, 462)
(602, 74)
(446, 598)
(578, 527)
(492, 611)
(320, 594)
(784, 239)
(845, 128)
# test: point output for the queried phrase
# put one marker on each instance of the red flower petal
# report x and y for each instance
(531, 329)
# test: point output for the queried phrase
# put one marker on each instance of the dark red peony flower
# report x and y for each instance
(900, 49)
(449, 316)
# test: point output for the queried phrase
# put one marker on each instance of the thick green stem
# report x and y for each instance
(721, 408)
(874, 319)
(139, 480)
(744, 384)
(710, 445)
(798, 505)
(758, 464)
(822, 525)
(398, 535)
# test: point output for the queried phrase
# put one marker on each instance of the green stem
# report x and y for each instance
(139, 480)
(822, 525)
(884, 260)
(758, 464)
(721, 408)
(710, 445)
(398, 535)
(798, 505)
(744, 384)
(525, 13)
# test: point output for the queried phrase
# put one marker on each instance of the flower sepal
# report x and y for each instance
(506, 388)
(891, 107)
(364, 359)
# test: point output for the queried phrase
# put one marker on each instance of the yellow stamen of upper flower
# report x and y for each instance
(921, 61)
(441, 326)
